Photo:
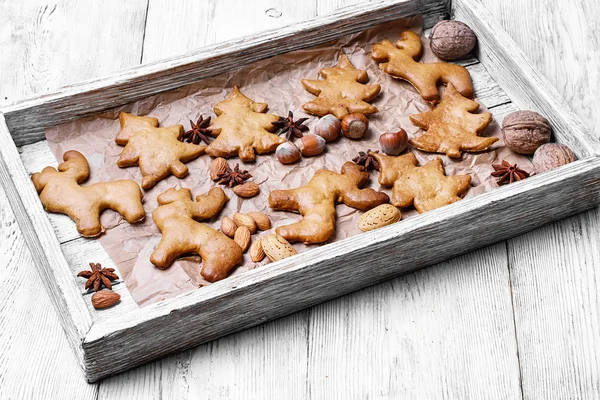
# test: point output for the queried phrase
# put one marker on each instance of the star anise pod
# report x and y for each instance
(98, 276)
(367, 160)
(233, 177)
(507, 173)
(290, 127)
(199, 132)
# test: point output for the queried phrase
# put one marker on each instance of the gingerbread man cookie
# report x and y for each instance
(158, 151)
(243, 128)
(425, 187)
(342, 92)
(317, 199)
(399, 62)
(60, 192)
(177, 216)
(451, 128)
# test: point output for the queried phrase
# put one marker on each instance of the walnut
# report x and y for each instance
(552, 155)
(451, 40)
(525, 131)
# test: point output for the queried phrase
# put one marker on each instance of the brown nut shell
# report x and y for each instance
(451, 40)
(393, 143)
(262, 221)
(277, 248)
(312, 145)
(242, 237)
(287, 153)
(552, 155)
(217, 167)
(525, 131)
(328, 128)
(257, 254)
(228, 226)
(104, 299)
(246, 190)
(245, 220)
(355, 126)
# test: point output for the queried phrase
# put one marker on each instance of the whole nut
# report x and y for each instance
(228, 226)
(525, 131)
(451, 40)
(328, 127)
(312, 145)
(257, 254)
(385, 214)
(246, 190)
(242, 237)
(104, 299)
(287, 153)
(244, 220)
(262, 221)
(355, 126)
(217, 167)
(276, 247)
(393, 143)
(552, 155)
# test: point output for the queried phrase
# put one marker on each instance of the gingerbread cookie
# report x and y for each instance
(158, 151)
(342, 92)
(425, 187)
(317, 199)
(399, 62)
(177, 217)
(450, 126)
(243, 128)
(60, 193)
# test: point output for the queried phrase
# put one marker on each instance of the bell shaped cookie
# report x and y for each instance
(317, 199)
(60, 192)
(341, 92)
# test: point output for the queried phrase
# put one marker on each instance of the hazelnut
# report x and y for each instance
(552, 155)
(525, 131)
(312, 145)
(287, 153)
(328, 127)
(451, 40)
(355, 126)
(393, 143)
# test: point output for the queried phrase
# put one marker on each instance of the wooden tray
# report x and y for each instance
(116, 339)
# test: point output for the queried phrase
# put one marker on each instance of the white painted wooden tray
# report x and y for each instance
(113, 340)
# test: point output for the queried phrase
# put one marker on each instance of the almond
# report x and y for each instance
(263, 223)
(245, 220)
(257, 254)
(247, 190)
(276, 247)
(217, 167)
(228, 227)
(242, 237)
(379, 216)
(104, 299)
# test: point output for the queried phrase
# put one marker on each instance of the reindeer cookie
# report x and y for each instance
(159, 152)
(342, 92)
(243, 128)
(177, 217)
(425, 187)
(399, 62)
(60, 193)
(316, 202)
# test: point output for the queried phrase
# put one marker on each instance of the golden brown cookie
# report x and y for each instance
(177, 217)
(243, 128)
(158, 151)
(399, 62)
(60, 193)
(317, 199)
(342, 92)
(425, 187)
(451, 128)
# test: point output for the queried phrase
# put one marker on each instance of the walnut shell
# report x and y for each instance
(552, 155)
(525, 131)
(451, 40)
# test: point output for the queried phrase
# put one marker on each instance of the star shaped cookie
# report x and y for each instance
(243, 128)
(342, 92)
(425, 187)
(157, 151)
(450, 126)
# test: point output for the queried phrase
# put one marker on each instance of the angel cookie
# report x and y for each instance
(425, 187)
(60, 192)
(243, 128)
(177, 218)
(158, 151)
(399, 61)
(450, 126)
(317, 199)
(342, 92)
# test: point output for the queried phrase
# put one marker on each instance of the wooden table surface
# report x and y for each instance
(519, 319)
